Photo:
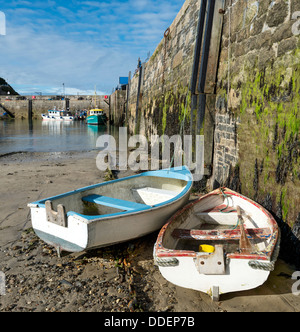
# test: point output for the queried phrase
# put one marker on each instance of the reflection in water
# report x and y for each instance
(39, 136)
(97, 130)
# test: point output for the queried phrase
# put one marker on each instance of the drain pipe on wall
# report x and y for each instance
(204, 61)
(195, 70)
(141, 79)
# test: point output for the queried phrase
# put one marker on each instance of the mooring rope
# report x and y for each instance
(269, 266)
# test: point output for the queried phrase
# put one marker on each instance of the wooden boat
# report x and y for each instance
(111, 212)
(222, 242)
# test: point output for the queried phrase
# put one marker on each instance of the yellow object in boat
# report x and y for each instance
(206, 248)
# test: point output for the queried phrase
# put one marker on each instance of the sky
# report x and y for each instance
(77, 45)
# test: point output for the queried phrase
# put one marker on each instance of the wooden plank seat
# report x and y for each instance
(221, 213)
(115, 203)
(222, 209)
(222, 234)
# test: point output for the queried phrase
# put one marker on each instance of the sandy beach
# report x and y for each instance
(121, 278)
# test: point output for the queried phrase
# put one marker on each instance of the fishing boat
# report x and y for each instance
(222, 242)
(53, 115)
(68, 117)
(111, 212)
(57, 115)
(96, 117)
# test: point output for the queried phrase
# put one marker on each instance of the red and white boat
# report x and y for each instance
(222, 242)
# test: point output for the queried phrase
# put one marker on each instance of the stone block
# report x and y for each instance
(295, 6)
(287, 45)
(277, 13)
(284, 31)
(177, 59)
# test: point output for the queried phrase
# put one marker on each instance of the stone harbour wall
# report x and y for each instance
(117, 107)
(164, 85)
(41, 105)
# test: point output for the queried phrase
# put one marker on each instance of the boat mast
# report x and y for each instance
(95, 98)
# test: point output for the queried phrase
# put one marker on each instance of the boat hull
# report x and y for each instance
(96, 120)
(69, 118)
(82, 232)
(225, 270)
(51, 118)
(80, 235)
(239, 276)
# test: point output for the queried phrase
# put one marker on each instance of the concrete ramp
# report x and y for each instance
(7, 111)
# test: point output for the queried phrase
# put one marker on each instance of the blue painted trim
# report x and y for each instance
(115, 202)
(42, 202)
(101, 216)
(181, 173)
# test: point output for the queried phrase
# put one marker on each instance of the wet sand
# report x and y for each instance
(121, 278)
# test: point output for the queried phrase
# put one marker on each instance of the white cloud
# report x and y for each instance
(80, 43)
(52, 59)
(57, 90)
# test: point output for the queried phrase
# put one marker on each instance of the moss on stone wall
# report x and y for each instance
(170, 111)
(260, 87)
(268, 136)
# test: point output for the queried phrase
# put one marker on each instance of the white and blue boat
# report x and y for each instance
(111, 212)
(57, 115)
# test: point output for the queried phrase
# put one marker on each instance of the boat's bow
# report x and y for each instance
(223, 241)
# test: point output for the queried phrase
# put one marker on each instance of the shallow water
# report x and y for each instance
(56, 136)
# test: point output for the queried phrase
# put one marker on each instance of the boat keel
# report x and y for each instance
(215, 293)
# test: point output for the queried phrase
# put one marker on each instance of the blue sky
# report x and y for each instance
(80, 43)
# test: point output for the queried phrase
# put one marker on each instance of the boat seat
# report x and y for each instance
(114, 202)
(221, 208)
(153, 196)
(157, 191)
(222, 234)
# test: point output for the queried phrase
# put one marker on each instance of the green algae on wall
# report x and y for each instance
(269, 146)
(171, 111)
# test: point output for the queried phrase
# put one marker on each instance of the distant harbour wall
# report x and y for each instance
(40, 105)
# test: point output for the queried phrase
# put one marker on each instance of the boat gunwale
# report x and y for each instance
(162, 252)
(186, 176)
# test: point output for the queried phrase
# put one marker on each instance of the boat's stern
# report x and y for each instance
(65, 233)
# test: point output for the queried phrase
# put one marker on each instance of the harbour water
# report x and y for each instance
(56, 136)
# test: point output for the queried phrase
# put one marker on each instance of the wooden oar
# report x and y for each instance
(245, 244)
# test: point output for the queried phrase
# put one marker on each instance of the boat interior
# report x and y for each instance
(218, 220)
(133, 194)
